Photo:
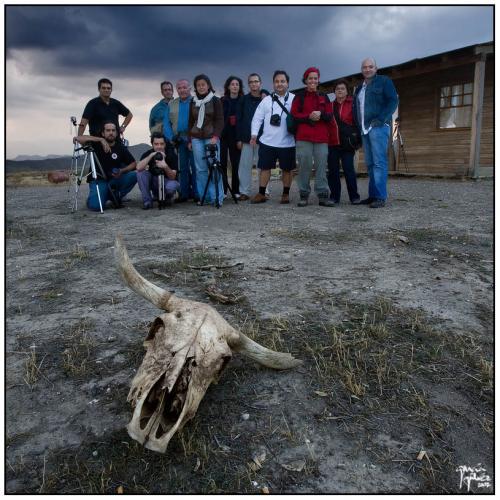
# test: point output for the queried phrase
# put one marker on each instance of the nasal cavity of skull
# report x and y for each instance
(174, 401)
(151, 403)
(155, 326)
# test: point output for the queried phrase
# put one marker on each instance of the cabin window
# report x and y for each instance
(455, 106)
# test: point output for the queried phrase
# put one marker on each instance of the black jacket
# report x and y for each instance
(246, 109)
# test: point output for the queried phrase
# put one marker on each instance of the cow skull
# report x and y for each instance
(187, 349)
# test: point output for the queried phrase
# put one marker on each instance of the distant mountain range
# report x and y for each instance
(36, 163)
(35, 157)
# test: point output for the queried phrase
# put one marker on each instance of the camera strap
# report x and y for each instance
(276, 98)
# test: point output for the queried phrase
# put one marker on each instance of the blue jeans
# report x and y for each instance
(375, 145)
(120, 187)
(336, 156)
(202, 173)
(187, 172)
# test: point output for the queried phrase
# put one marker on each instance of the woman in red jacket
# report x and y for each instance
(312, 111)
(341, 147)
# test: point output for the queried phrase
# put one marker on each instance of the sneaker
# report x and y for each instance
(285, 199)
(259, 198)
(147, 206)
(366, 201)
(377, 204)
(326, 202)
(357, 201)
(244, 197)
(303, 202)
(237, 196)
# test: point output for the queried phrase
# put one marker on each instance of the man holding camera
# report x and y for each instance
(156, 165)
(276, 143)
(118, 166)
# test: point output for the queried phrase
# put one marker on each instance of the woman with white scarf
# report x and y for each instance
(206, 121)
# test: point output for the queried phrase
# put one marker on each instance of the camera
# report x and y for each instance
(211, 148)
(153, 169)
(275, 120)
(177, 140)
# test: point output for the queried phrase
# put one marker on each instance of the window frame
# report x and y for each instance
(439, 108)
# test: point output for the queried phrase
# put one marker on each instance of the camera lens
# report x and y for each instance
(158, 157)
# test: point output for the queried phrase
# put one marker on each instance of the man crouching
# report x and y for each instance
(117, 177)
(156, 165)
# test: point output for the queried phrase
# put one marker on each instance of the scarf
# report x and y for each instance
(200, 103)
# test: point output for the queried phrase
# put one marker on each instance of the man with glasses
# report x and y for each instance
(249, 152)
(103, 109)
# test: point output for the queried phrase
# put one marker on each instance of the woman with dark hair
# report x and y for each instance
(342, 144)
(233, 90)
(206, 121)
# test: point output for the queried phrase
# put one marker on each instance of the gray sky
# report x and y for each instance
(56, 54)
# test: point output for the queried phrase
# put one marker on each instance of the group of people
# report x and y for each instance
(292, 131)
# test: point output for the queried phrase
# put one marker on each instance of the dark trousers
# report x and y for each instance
(336, 157)
(229, 144)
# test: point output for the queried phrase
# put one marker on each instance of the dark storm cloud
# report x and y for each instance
(133, 39)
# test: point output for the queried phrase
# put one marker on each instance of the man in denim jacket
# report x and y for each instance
(376, 100)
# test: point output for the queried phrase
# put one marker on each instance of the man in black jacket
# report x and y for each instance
(249, 154)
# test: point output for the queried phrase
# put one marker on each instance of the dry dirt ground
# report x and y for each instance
(390, 310)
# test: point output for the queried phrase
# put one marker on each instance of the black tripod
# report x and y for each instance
(398, 137)
(162, 203)
(215, 171)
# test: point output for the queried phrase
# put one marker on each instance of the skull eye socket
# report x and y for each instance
(155, 326)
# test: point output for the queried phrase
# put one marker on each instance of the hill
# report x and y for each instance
(52, 162)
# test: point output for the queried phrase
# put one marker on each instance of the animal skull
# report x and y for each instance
(187, 349)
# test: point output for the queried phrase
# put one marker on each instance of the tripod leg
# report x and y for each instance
(230, 189)
(216, 183)
(78, 181)
(209, 178)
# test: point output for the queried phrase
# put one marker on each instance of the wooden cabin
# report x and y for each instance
(446, 104)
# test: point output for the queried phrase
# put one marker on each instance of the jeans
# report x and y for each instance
(336, 156)
(187, 172)
(149, 183)
(229, 144)
(202, 173)
(249, 157)
(305, 153)
(120, 187)
(375, 145)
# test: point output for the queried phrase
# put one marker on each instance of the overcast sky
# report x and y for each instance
(56, 54)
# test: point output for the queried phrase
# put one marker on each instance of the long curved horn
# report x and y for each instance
(135, 281)
(263, 355)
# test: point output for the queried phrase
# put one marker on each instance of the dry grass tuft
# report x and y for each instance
(76, 358)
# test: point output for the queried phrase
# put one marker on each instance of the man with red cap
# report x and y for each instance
(312, 111)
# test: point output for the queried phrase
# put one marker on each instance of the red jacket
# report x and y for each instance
(345, 114)
(308, 130)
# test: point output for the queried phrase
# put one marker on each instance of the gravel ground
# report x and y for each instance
(74, 335)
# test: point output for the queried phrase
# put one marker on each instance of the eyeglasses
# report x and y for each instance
(254, 81)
